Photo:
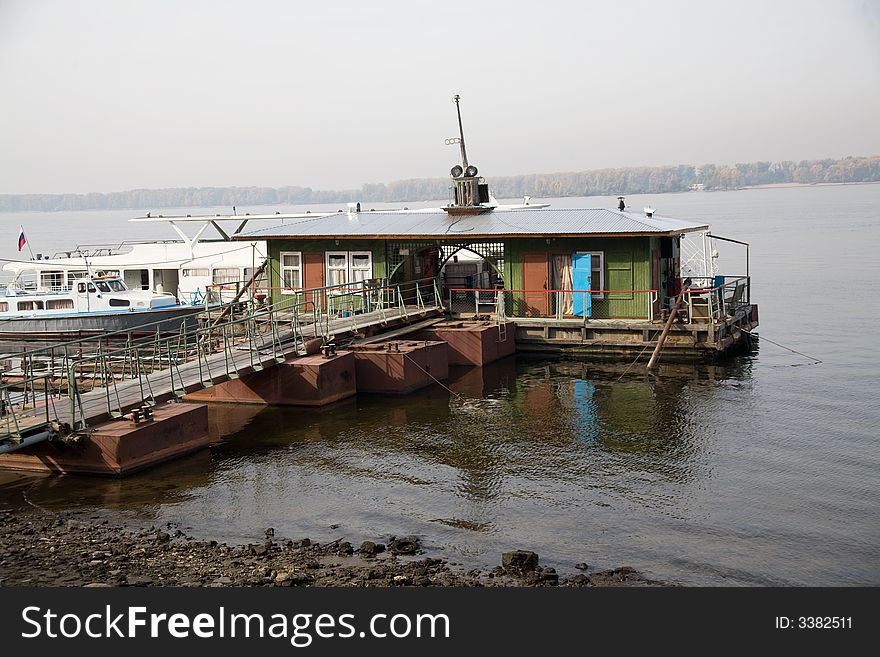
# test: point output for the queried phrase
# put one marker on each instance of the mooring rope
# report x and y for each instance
(436, 380)
(816, 361)
(644, 349)
(24, 494)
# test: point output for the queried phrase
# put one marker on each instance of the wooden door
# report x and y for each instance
(536, 278)
(313, 276)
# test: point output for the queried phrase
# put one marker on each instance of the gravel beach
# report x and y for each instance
(39, 548)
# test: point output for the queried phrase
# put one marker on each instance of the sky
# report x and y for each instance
(108, 96)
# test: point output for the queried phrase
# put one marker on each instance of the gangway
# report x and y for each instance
(62, 389)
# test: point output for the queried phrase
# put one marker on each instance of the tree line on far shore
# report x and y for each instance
(599, 182)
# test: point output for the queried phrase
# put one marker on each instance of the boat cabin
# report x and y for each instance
(32, 294)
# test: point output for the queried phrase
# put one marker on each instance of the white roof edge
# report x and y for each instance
(233, 217)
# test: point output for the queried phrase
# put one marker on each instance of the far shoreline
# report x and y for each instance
(795, 184)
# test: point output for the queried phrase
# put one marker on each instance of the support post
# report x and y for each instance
(672, 315)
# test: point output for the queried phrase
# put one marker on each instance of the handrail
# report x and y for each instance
(105, 361)
(542, 290)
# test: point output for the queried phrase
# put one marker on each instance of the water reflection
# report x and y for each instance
(518, 444)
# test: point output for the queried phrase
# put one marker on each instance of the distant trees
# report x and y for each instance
(604, 182)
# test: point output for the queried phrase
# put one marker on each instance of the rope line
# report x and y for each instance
(436, 380)
(816, 361)
(629, 367)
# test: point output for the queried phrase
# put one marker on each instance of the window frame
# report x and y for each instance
(352, 268)
(282, 268)
(349, 269)
(53, 280)
(346, 269)
(601, 268)
(195, 272)
(236, 275)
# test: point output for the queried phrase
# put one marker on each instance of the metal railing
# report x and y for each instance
(549, 304)
(65, 385)
(713, 299)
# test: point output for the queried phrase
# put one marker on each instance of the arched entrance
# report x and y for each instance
(407, 261)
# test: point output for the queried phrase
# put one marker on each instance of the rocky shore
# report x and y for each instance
(82, 549)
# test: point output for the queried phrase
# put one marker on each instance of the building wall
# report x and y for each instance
(276, 247)
(627, 264)
(627, 267)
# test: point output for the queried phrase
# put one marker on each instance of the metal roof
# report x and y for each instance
(437, 224)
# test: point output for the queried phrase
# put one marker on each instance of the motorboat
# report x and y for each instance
(93, 303)
(197, 270)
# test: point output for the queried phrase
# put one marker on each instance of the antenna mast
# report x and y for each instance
(464, 161)
(471, 193)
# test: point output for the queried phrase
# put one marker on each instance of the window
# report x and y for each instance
(30, 305)
(81, 287)
(112, 285)
(72, 277)
(261, 282)
(59, 304)
(119, 303)
(137, 279)
(345, 267)
(52, 280)
(226, 275)
(361, 266)
(337, 267)
(194, 272)
(597, 272)
(4, 307)
(291, 271)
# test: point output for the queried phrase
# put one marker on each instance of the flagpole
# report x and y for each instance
(26, 241)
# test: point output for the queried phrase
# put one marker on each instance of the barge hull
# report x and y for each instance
(626, 339)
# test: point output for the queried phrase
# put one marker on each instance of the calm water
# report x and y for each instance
(764, 471)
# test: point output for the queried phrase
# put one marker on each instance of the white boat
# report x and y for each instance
(91, 304)
(196, 270)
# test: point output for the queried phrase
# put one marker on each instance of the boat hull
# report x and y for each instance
(80, 325)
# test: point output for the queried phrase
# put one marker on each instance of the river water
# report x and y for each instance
(761, 471)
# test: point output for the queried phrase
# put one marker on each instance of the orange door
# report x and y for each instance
(313, 275)
(536, 278)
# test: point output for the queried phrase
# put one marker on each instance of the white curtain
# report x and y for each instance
(562, 281)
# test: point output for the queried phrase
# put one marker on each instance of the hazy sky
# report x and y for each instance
(105, 96)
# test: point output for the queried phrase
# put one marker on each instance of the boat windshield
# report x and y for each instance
(113, 285)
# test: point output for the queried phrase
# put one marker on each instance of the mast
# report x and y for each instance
(471, 192)
(464, 162)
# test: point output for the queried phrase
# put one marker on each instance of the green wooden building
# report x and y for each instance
(562, 263)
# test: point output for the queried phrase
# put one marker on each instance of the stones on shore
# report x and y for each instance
(523, 564)
(519, 563)
(581, 566)
(72, 549)
(406, 545)
(371, 549)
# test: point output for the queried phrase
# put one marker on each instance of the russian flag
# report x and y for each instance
(21, 238)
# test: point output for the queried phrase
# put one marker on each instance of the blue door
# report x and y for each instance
(580, 280)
